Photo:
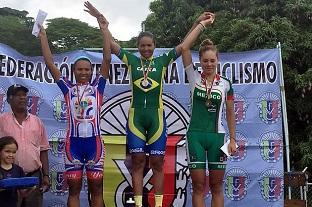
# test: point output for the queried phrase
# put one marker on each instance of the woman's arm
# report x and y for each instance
(230, 117)
(205, 19)
(199, 25)
(103, 23)
(115, 48)
(48, 58)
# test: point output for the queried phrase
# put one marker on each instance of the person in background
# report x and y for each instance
(83, 145)
(205, 134)
(30, 134)
(8, 149)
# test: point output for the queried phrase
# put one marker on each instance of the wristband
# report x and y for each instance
(204, 27)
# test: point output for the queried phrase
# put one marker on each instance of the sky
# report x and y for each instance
(124, 16)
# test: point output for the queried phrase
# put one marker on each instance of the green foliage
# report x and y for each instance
(71, 34)
(16, 31)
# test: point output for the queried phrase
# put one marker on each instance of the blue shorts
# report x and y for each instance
(146, 131)
(84, 152)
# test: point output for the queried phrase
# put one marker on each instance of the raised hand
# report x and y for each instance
(92, 10)
(42, 32)
(207, 18)
(103, 23)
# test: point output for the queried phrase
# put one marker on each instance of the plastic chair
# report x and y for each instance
(296, 180)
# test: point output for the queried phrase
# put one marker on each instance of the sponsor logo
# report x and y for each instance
(271, 185)
(236, 184)
(269, 106)
(240, 108)
(59, 108)
(271, 146)
(34, 99)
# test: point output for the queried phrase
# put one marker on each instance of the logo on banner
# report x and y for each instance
(271, 146)
(57, 142)
(59, 108)
(236, 184)
(269, 108)
(240, 108)
(121, 180)
(271, 184)
(58, 185)
(34, 99)
(241, 152)
(2, 99)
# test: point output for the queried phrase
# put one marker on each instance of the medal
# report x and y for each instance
(144, 83)
(208, 101)
(145, 73)
(80, 105)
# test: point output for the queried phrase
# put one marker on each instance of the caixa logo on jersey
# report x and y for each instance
(240, 108)
(271, 146)
(236, 183)
(269, 108)
(59, 108)
(271, 185)
(241, 152)
(2, 99)
(34, 99)
(58, 185)
(57, 142)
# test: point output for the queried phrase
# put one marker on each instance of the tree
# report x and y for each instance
(71, 34)
(16, 31)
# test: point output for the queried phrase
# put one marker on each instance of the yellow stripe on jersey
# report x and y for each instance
(132, 127)
(160, 127)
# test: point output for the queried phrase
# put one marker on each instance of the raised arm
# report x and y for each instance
(103, 23)
(115, 48)
(48, 58)
(205, 20)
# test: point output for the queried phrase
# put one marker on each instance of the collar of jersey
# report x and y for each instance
(150, 58)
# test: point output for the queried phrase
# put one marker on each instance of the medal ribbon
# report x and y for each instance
(145, 72)
(80, 97)
(208, 90)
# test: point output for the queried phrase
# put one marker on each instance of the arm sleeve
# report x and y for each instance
(192, 76)
(169, 57)
(230, 92)
(64, 84)
(100, 83)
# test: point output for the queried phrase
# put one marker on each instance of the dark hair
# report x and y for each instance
(207, 45)
(6, 141)
(146, 34)
(83, 59)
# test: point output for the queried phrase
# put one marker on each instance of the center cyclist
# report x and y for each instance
(146, 126)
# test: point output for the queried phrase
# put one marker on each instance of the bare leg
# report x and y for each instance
(138, 165)
(74, 192)
(216, 187)
(157, 164)
(96, 190)
(198, 183)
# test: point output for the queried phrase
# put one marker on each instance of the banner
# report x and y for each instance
(253, 175)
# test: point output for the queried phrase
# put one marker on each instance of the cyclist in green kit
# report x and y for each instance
(146, 126)
(205, 135)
